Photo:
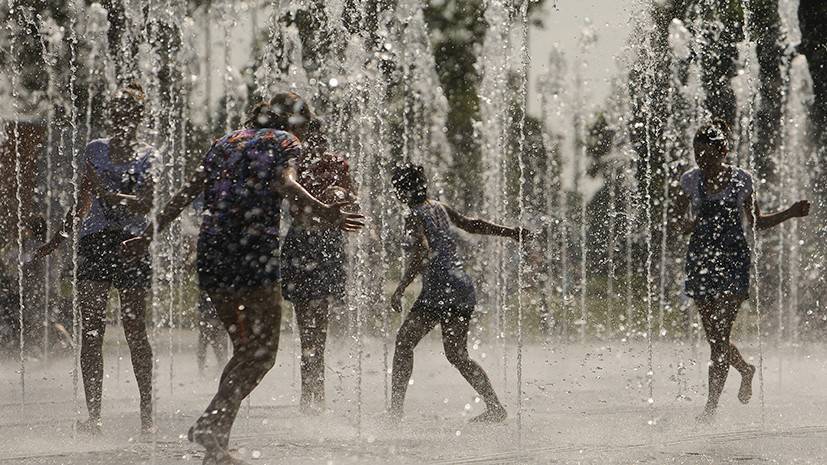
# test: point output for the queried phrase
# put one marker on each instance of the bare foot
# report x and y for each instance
(745, 392)
(93, 427)
(707, 417)
(394, 417)
(491, 415)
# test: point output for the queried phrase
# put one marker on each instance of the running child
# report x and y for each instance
(447, 297)
(244, 177)
(717, 196)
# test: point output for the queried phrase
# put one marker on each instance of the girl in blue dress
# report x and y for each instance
(447, 297)
(716, 198)
(115, 196)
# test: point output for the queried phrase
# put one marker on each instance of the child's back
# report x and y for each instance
(444, 281)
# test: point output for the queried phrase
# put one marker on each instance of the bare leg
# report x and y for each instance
(717, 317)
(312, 318)
(203, 342)
(92, 298)
(218, 339)
(415, 327)
(737, 361)
(252, 318)
(133, 302)
(455, 342)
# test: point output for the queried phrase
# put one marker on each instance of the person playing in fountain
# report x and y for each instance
(447, 297)
(313, 261)
(114, 197)
(244, 177)
(716, 197)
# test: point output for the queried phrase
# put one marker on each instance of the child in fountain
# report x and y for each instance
(447, 297)
(244, 177)
(114, 197)
(313, 261)
(717, 196)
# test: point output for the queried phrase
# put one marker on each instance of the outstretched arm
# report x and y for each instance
(192, 188)
(478, 226)
(762, 221)
(84, 204)
(331, 214)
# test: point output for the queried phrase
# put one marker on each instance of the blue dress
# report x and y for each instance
(718, 256)
(446, 287)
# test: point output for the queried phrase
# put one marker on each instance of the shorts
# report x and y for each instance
(100, 259)
(313, 265)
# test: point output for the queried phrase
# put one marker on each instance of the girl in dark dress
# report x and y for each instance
(717, 196)
(244, 177)
(447, 297)
(313, 261)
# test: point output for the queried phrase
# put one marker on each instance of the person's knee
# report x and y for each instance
(719, 352)
(457, 358)
(264, 357)
(403, 346)
(93, 336)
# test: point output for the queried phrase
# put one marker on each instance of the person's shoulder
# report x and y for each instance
(95, 149)
(236, 136)
(742, 173)
(284, 140)
(743, 178)
(691, 173)
(97, 145)
(275, 134)
(690, 177)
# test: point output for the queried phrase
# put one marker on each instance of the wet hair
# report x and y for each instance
(284, 111)
(714, 134)
(128, 102)
(410, 179)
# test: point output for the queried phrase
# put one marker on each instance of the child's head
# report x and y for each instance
(711, 144)
(286, 111)
(410, 183)
(127, 110)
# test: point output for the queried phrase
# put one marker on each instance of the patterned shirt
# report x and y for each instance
(242, 169)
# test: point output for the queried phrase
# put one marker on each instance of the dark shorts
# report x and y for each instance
(232, 262)
(100, 259)
(313, 265)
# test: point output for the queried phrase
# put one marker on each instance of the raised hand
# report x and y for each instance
(334, 215)
(800, 209)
